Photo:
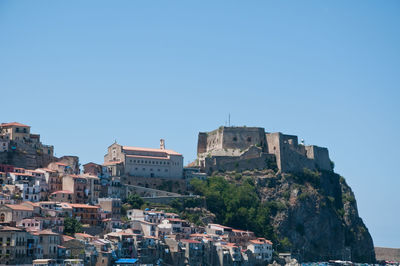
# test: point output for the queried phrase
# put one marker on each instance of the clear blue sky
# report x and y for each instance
(84, 73)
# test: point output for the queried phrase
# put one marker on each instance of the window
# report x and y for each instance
(248, 139)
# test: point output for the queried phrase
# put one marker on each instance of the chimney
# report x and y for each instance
(162, 144)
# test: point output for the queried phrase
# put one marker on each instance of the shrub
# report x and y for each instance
(72, 226)
(303, 196)
(238, 176)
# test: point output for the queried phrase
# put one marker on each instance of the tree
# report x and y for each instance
(72, 226)
(135, 201)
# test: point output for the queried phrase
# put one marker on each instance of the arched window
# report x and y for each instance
(2, 217)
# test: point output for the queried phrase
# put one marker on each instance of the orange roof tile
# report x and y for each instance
(260, 241)
(77, 205)
(170, 152)
(147, 157)
(66, 238)
(19, 207)
(9, 228)
(84, 235)
(13, 124)
(47, 232)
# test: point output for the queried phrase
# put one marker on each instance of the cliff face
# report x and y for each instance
(318, 215)
(27, 158)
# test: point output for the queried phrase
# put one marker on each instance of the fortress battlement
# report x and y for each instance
(241, 148)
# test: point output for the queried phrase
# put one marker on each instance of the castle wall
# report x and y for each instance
(320, 155)
(214, 140)
(274, 146)
(228, 163)
(202, 143)
(242, 138)
(240, 148)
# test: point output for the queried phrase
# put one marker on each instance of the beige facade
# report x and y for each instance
(48, 243)
(13, 246)
(15, 213)
(146, 162)
(111, 205)
(15, 131)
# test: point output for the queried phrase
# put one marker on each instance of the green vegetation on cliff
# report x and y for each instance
(311, 214)
(238, 205)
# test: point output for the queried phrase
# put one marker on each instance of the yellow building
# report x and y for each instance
(15, 131)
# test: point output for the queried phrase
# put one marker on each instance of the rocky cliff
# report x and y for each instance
(311, 214)
(318, 216)
(28, 158)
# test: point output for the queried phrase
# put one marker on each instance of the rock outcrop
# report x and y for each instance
(317, 214)
(26, 157)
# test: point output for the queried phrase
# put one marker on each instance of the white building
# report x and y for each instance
(261, 248)
(146, 162)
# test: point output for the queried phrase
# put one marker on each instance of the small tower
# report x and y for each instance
(162, 144)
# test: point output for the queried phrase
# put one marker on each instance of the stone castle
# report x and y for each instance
(242, 148)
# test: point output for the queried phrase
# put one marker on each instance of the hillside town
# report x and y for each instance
(55, 212)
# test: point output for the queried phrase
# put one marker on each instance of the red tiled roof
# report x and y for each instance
(175, 220)
(84, 235)
(260, 241)
(198, 235)
(66, 238)
(15, 173)
(62, 191)
(19, 207)
(13, 124)
(47, 232)
(62, 164)
(147, 157)
(170, 152)
(231, 245)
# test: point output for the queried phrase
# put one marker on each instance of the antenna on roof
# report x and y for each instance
(229, 120)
